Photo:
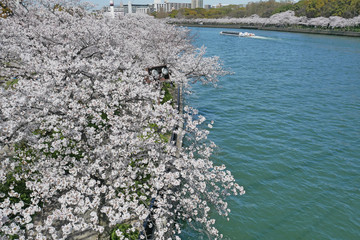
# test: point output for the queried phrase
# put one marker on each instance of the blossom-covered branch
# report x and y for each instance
(84, 131)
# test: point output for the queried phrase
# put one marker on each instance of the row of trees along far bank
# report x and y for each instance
(308, 8)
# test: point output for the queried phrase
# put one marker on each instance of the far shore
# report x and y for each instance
(281, 29)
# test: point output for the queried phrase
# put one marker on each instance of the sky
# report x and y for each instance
(101, 3)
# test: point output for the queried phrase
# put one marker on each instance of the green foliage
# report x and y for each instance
(14, 188)
(13, 237)
(18, 186)
(173, 13)
(126, 230)
(72, 144)
(103, 124)
(5, 11)
(24, 157)
(230, 11)
(265, 9)
(154, 14)
(164, 137)
(167, 88)
(284, 8)
(309, 8)
(325, 8)
(11, 83)
(58, 7)
(136, 190)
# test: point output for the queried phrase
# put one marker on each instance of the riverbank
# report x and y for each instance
(273, 28)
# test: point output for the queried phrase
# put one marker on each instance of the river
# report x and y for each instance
(287, 125)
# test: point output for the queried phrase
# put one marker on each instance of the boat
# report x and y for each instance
(240, 34)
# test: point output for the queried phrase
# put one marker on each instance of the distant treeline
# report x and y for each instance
(308, 8)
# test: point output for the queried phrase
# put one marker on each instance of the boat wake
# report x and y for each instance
(265, 38)
(238, 34)
(244, 34)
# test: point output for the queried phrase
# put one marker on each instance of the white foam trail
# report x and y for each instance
(260, 37)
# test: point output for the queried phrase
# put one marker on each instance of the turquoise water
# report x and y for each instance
(287, 124)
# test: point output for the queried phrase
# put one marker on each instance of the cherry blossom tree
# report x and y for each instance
(287, 18)
(83, 135)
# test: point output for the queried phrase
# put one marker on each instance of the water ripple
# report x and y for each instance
(287, 124)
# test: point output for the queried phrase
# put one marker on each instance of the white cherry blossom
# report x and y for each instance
(85, 128)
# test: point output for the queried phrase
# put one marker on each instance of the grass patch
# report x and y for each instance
(126, 231)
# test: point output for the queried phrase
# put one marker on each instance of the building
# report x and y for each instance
(118, 10)
(143, 10)
(197, 3)
(123, 9)
(137, 8)
(157, 6)
(176, 6)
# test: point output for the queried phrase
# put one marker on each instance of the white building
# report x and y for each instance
(143, 10)
(169, 6)
(113, 10)
(130, 7)
(123, 9)
(197, 3)
(176, 6)
(157, 6)
(137, 8)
